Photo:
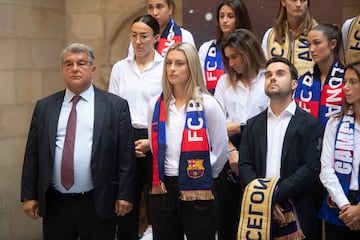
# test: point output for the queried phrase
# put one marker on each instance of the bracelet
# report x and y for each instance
(232, 149)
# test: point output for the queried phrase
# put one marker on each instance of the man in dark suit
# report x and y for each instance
(284, 141)
(102, 173)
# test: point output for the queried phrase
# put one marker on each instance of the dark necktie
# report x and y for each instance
(67, 162)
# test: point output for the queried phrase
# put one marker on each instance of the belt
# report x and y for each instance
(69, 195)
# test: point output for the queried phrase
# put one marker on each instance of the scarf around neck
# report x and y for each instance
(213, 67)
(321, 103)
(195, 177)
(343, 158)
(352, 48)
(172, 34)
(297, 52)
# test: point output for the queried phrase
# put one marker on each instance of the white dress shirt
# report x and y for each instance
(276, 129)
(216, 131)
(327, 174)
(83, 141)
(242, 102)
(138, 88)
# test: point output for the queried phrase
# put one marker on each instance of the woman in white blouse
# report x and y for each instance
(340, 164)
(137, 79)
(241, 93)
(231, 15)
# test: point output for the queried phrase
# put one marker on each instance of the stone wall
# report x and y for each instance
(31, 35)
(351, 8)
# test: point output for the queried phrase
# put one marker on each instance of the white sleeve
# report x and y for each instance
(187, 37)
(114, 82)
(203, 50)
(218, 139)
(264, 43)
(327, 174)
(345, 30)
(220, 90)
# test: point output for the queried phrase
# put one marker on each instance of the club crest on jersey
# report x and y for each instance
(195, 168)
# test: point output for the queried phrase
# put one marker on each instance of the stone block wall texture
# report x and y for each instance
(32, 34)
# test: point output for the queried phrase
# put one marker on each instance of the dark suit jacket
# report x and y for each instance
(112, 157)
(300, 161)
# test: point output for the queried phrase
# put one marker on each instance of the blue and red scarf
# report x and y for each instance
(172, 34)
(343, 157)
(195, 177)
(213, 67)
(321, 103)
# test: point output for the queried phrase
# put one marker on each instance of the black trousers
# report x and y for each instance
(172, 218)
(228, 204)
(73, 217)
(333, 232)
(128, 225)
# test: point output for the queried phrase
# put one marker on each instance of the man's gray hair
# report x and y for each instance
(78, 48)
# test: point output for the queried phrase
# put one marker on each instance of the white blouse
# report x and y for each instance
(242, 102)
(137, 87)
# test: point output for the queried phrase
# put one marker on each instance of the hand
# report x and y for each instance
(233, 161)
(123, 207)
(30, 207)
(141, 147)
(350, 215)
(278, 213)
(233, 128)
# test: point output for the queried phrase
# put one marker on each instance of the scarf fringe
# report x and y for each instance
(197, 195)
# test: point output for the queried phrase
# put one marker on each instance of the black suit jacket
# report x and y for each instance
(300, 161)
(112, 157)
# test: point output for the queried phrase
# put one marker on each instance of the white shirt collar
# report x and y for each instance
(85, 95)
(290, 109)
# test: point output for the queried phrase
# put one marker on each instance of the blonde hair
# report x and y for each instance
(196, 78)
(281, 26)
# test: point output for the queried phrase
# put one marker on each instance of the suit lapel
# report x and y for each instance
(294, 124)
(99, 113)
(53, 113)
(261, 136)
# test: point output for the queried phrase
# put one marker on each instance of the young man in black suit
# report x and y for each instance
(284, 141)
(80, 200)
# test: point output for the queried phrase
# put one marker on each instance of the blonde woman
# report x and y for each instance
(189, 145)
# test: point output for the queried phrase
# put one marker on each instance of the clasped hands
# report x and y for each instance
(350, 215)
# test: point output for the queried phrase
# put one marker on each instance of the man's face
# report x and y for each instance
(278, 82)
(77, 71)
